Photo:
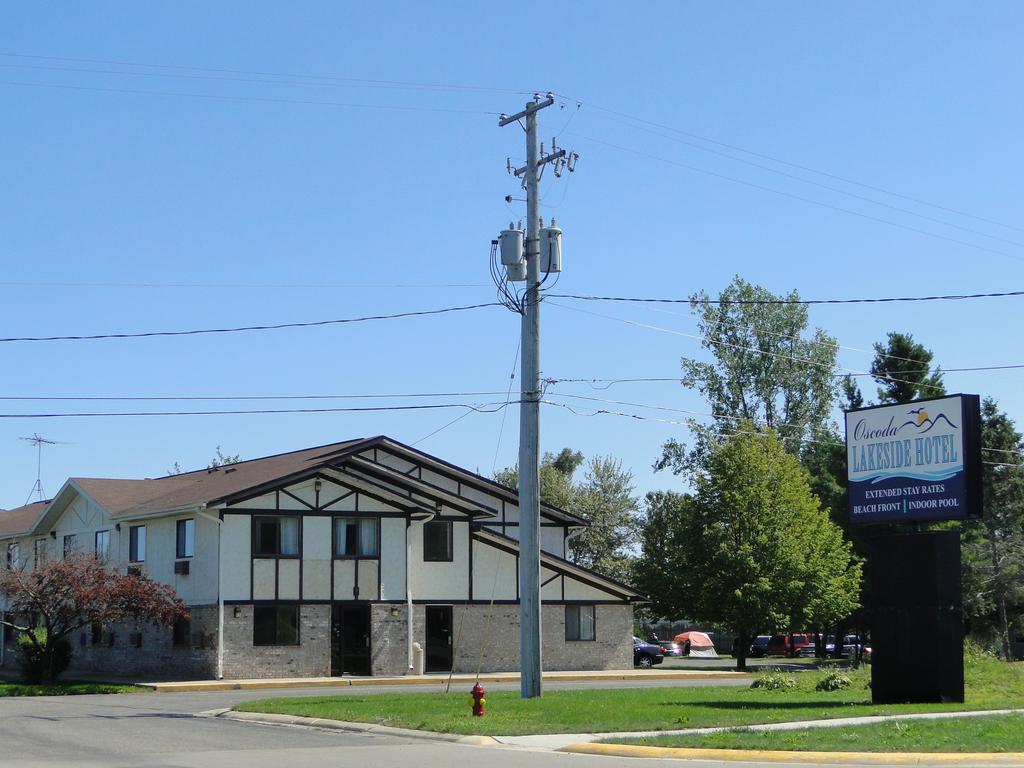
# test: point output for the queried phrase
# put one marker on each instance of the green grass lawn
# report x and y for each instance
(995, 733)
(990, 685)
(63, 689)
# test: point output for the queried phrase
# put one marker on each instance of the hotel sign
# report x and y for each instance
(915, 461)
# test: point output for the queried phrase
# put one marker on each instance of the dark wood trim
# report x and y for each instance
(553, 577)
(306, 504)
(426, 601)
(326, 507)
(436, 492)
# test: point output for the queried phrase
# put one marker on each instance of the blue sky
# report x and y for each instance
(232, 186)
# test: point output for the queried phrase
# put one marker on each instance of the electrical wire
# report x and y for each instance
(327, 79)
(740, 302)
(838, 190)
(246, 286)
(278, 326)
(809, 169)
(508, 398)
(801, 198)
(227, 398)
(480, 408)
(256, 99)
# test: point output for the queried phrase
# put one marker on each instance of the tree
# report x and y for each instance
(753, 549)
(902, 368)
(993, 547)
(220, 459)
(763, 371)
(605, 500)
(62, 596)
(556, 471)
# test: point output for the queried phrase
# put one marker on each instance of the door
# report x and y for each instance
(350, 640)
(439, 638)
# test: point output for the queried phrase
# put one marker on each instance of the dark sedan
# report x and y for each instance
(646, 655)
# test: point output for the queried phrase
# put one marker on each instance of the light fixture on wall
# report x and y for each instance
(394, 610)
(317, 485)
(237, 612)
(117, 527)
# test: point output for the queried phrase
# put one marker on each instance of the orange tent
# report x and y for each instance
(698, 643)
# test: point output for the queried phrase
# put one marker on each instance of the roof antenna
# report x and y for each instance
(38, 441)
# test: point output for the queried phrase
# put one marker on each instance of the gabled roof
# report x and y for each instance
(563, 566)
(21, 520)
(229, 483)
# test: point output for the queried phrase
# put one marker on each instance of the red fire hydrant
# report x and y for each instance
(478, 700)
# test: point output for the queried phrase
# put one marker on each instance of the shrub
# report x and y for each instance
(34, 665)
(833, 681)
(774, 681)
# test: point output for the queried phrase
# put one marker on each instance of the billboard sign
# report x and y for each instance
(915, 461)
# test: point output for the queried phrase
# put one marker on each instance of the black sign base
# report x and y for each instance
(916, 618)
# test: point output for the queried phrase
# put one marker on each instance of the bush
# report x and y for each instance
(774, 681)
(833, 681)
(34, 666)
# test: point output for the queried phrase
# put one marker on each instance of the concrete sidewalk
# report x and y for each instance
(435, 679)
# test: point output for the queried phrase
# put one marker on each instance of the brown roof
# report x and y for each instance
(124, 497)
(20, 519)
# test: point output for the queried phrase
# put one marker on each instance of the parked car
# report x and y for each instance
(646, 655)
(759, 647)
(671, 648)
(788, 645)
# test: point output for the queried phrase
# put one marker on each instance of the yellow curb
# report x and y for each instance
(755, 755)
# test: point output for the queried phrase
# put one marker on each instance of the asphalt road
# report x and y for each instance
(165, 729)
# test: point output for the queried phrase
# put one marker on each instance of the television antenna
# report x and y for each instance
(39, 441)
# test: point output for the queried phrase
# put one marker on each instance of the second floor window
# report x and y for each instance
(70, 544)
(102, 543)
(137, 544)
(12, 556)
(186, 538)
(437, 541)
(39, 551)
(275, 536)
(355, 537)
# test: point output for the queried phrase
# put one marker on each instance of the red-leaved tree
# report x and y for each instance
(63, 596)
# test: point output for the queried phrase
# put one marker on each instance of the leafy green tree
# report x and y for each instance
(763, 369)
(993, 547)
(605, 499)
(902, 368)
(556, 473)
(753, 549)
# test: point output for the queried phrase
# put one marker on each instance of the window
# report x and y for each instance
(186, 546)
(96, 630)
(275, 536)
(12, 556)
(437, 541)
(356, 537)
(275, 625)
(137, 544)
(39, 551)
(70, 544)
(181, 634)
(102, 543)
(579, 622)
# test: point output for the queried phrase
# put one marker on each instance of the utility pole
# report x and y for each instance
(529, 410)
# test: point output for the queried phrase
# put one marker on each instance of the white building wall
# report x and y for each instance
(392, 558)
(237, 537)
(441, 581)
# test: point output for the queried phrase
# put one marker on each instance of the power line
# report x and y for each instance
(326, 79)
(278, 326)
(219, 398)
(480, 408)
(809, 169)
(641, 300)
(508, 398)
(259, 99)
(801, 198)
(253, 286)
